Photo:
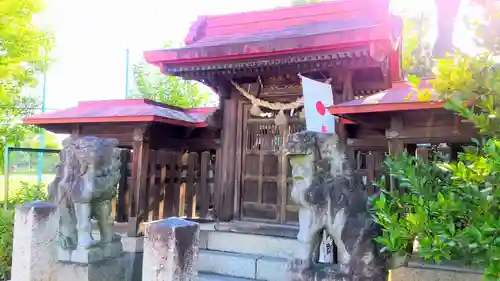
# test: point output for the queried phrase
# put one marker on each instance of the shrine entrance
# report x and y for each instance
(266, 176)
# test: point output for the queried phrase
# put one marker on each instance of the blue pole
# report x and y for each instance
(42, 133)
(6, 169)
(127, 66)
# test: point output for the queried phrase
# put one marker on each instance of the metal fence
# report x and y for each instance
(26, 167)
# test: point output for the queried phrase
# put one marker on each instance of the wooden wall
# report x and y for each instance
(177, 184)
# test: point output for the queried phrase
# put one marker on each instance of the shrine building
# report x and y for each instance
(227, 167)
(229, 163)
(356, 45)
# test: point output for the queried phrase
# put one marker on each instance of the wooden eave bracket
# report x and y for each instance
(378, 51)
(391, 134)
(220, 86)
(141, 133)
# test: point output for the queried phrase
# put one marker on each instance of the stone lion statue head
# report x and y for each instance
(89, 167)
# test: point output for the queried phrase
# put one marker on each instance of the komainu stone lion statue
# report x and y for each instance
(85, 183)
(331, 199)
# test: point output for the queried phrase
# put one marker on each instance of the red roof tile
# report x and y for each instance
(130, 110)
(316, 27)
(400, 97)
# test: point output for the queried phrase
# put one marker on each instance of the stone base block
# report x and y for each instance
(425, 272)
(85, 256)
(112, 250)
(171, 250)
(127, 267)
(325, 272)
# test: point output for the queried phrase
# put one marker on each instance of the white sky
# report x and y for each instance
(92, 35)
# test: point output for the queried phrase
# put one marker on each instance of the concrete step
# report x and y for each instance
(217, 277)
(254, 244)
(255, 267)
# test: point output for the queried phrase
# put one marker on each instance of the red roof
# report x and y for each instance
(129, 110)
(400, 97)
(331, 25)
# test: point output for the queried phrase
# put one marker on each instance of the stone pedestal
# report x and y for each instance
(86, 256)
(171, 250)
(35, 245)
(113, 269)
(326, 272)
(105, 262)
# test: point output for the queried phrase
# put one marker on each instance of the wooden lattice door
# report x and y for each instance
(266, 173)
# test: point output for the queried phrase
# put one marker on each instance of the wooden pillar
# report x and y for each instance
(77, 129)
(138, 189)
(347, 95)
(121, 212)
(226, 173)
(455, 150)
(396, 145)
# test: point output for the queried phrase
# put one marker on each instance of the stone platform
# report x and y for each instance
(114, 269)
(84, 256)
(325, 273)
(111, 262)
(243, 252)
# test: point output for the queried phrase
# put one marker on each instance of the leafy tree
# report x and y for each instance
(447, 11)
(150, 83)
(33, 140)
(487, 27)
(416, 59)
(24, 50)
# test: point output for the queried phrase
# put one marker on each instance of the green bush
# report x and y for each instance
(412, 208)
(453, 208)
(6, 234)
(27, 193)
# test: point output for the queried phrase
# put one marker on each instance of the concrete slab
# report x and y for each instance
(263, 245)
(217, 277)
(271, 269)
(420, 274)
(230, 264)
(288, 231)
(419, 270)
(130, 244)
(203, 243)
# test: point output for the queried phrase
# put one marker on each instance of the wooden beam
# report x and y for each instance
(367, 143)
(222, 86)
(378, 123)
(433, 134)
(208, 76)
(203, 144)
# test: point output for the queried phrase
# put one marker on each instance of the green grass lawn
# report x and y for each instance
(16, 179)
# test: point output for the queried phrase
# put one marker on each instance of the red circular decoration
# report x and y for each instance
(320, 108)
